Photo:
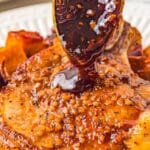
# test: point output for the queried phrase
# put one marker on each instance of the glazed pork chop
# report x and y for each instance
(35, 116)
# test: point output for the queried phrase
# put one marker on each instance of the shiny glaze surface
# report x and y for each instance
(84, 26)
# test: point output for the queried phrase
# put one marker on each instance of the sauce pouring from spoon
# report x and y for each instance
(84, 27)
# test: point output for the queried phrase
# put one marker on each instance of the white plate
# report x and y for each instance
(39, 18)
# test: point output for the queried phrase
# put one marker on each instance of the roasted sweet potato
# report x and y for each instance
(147, 52)
(19, 46)
(140, 62)
(30, 42)
(146, 70)
(13, 56)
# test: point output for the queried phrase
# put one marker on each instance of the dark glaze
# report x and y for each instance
(3, 82)
(84, 27)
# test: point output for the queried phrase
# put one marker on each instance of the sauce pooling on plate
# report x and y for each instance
(84, 27)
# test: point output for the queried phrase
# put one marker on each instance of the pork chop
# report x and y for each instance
(35, 116)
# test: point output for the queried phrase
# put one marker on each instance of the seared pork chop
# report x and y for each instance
(35, 116)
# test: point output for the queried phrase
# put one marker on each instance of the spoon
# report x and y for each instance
(83, 27)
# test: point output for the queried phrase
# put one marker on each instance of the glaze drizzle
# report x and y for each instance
(84, 27)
